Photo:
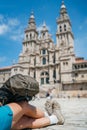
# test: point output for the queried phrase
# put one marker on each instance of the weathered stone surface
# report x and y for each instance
(74, 111)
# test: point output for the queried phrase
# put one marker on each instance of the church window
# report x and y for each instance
(42, 80)
(44, 77)
(66, 63)
(43, 35)
(75, 66)
(47, 80)
(54, 74)
(85, 66)
(54, 58)
(76, 74)
(43, 51)
(82, 66)
(48, 57)
(60, 28)
(46, 73)
(27, 36)
(30, 36)
(34, 74)
(64, 27)
(42, 73)
(34, 61)
(44, 61)
(15, 69)
(63, 63)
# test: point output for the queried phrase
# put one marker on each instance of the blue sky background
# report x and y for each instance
(14, 16)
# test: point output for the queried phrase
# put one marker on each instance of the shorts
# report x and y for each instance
(6, 116)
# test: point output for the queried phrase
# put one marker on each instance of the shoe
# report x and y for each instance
(57, 111)
(48, 107)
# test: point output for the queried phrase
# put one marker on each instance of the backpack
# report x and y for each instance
(17, 88)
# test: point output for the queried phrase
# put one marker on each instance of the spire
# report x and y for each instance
(31, 23)
(63, 5)
(44, 24)
(32, 15)
(44, 27)
(63, 9)
(32, 18)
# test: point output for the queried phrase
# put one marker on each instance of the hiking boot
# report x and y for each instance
(48, 107)
(57, 111)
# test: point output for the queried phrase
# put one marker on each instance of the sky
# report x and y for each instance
(14, 16)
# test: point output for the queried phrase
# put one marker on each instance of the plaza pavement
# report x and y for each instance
(74, 111)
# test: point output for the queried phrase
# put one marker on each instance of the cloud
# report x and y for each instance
(17, 34)
(39, 28)
(13, 22)
(11, 27)
(17, 37)
(3, 29)
(1, 18)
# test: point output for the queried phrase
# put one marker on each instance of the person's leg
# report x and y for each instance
(32, 111)
(37, 117)
(26, 122)
(23, 108)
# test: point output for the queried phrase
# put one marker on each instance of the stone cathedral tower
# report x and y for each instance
(65, 45)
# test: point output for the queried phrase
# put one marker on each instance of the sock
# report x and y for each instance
(53, 119)
(46, 114)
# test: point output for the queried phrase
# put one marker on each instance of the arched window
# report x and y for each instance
(34, 61)
(42, 80)
(47, 80)
(27, 36)
(44, 77)
(30, 36)
(34, 74)
(44, 61)
(43, 51)
(54, 74)
(54, 58)
(46, 73)
(60, 28)
(64, 27)
(43, 35)
(42, 73)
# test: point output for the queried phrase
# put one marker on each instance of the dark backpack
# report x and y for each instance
(17, 88)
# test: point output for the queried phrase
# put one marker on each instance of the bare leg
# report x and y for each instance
(20, 121)
(26, 122)
(32, 111)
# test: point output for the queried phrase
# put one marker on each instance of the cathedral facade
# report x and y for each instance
(52, 65)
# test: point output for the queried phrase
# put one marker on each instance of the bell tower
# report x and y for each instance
(64, 35)
(31, 35)
(65, 45)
